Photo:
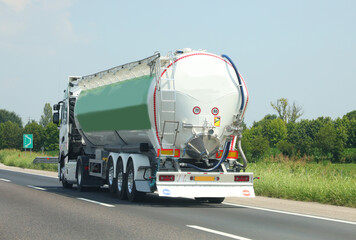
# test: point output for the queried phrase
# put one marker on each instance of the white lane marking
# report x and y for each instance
(291, 213)
(5, 180)
(38, 188)
(218, 232)
(100, 203)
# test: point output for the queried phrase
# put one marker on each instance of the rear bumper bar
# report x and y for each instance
(197, 184)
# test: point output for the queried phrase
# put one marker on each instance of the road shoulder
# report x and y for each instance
(307, 208)
(29, 171)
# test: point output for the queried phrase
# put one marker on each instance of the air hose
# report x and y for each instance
(240, 82)
(223, 158)
(153, 183)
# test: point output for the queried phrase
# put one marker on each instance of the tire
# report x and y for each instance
(65, 184)
(80, 175)
(216, 200)
(132, 194)
(210, 200)
(111, 178)
(120, 181)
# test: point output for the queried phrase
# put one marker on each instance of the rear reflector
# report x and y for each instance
(168, 152)
(231, 155)
(242, 178)
(166, 178)
(204, 178)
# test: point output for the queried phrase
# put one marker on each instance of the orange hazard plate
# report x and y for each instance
(204, 178)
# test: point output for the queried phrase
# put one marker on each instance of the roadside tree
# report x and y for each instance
(351, 115)
(287, 112)
(47, 116)
(10, 135)
(274, 131)
(10, 116)
(51, 137)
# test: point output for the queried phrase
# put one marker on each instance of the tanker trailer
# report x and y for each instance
(169, 124)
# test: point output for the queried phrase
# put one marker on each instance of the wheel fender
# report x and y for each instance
(125, 158)
(140, 160)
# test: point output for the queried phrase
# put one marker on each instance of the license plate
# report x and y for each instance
(204, 178)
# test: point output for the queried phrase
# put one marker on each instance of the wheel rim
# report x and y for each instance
(130, 181)
(79, 176)
(120, 180)
(111, 174)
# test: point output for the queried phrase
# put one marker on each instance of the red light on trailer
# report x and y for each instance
(166, 178)
(86, 168)
(191, 178)
(242, 178)
(217, 178)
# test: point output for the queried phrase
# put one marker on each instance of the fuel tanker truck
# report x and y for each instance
(167, 124)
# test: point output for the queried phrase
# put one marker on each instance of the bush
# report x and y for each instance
(286, 148)
(257, 148)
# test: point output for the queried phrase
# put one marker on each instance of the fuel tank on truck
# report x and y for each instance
(187, 101)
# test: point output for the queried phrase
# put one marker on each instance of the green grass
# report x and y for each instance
(324, 182)
(21, 159)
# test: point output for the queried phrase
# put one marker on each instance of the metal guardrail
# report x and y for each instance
(45, 160)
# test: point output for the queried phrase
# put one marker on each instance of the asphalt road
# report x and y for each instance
(37, 207)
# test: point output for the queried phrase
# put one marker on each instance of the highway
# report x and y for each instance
(37, 207)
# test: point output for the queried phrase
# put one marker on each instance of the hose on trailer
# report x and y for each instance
(153, 183)
(223, 158)
(239, 79)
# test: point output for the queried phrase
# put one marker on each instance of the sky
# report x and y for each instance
(302, 50)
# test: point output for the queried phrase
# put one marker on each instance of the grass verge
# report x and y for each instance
(324, 182)
(16, 158)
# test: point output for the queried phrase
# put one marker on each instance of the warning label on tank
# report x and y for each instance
(217, 121)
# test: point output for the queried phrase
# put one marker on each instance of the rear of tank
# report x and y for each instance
(208, 101)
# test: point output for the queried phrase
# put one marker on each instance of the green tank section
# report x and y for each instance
(118, 106)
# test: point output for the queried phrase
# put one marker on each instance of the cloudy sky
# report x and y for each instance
(302, 50)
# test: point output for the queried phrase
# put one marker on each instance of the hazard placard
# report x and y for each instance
(217, 121)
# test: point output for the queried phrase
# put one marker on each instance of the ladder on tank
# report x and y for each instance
(167, 96)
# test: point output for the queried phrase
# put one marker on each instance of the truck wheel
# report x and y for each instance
(210, 200)
(216, 200)
(120, 180)
(132, 194)
(111, 178)
(65, 184)
(62, 178)
(80, 175)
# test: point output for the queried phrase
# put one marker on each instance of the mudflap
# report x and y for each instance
(90, 181)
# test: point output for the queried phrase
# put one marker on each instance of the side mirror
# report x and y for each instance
(56, 107)
(56, 118)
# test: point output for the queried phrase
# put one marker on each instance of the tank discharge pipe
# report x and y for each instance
(242, 154)
(240, 82)
(223, 158)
